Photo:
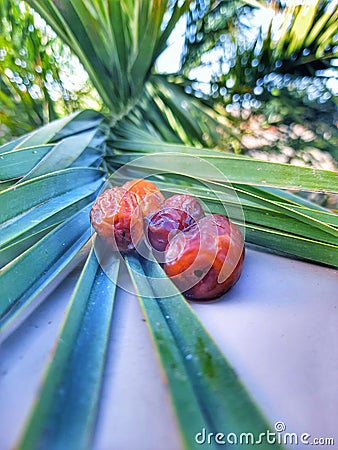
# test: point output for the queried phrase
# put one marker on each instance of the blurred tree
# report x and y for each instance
(272, 65)
(40, 78)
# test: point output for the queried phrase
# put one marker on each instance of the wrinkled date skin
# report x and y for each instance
(206, 260)
(148, 195)
(163, 225)
(117, 219)
(186, 203)
(179, 212)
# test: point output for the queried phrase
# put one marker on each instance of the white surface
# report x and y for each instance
(278, 327)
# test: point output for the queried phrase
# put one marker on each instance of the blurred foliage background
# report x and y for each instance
(40, 78)
(268, 68)
(274, 67)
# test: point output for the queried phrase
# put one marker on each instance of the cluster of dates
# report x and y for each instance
(202, 254)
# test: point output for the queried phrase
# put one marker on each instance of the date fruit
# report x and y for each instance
(178, 213)
(117, 219)
(148, 195)
(206, 260)
(186, 203)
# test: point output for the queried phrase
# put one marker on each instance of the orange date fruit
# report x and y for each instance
(148, 195)
(117, 219)
(206, 260)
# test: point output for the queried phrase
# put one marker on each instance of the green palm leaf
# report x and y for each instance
(239, 170)
(44, 219)
(36, 72)
(102, 48)
(204, 388)
(26, 276)
(271, 221)
(69, 398)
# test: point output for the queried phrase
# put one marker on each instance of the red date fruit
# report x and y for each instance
(185, 203)
(148, 195)
(206, 260)
(178, 213)
(117, 219)
(163, 225)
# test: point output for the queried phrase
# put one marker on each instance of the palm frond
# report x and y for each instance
(117, 58)
(69, 397)
(45, 207)
(300, 37)
(36, 73)
(203, 385)
(272, 221)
